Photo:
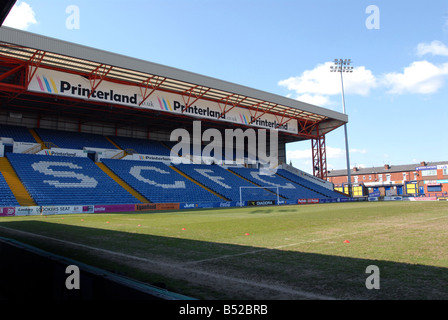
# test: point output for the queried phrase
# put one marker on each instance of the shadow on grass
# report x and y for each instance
(209, 270)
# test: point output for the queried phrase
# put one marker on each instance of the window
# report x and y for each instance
(380, 178)
(370, 178)
(445, 172)
(411, 188)
(435, 188)
(355, 179)
(426, 173)
(341, 189)
(405, 176)
(388, 177)
(357, 192)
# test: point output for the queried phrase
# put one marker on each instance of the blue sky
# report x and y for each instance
(396, 98)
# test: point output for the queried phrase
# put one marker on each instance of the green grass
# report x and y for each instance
(285, 252)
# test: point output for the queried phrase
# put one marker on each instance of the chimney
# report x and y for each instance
(386, 166)
(355, 169)
(423, 164)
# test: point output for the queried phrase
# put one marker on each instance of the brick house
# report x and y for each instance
(423, 178)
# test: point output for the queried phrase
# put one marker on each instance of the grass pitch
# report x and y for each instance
(281, 252)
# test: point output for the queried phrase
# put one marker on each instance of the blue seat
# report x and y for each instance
(322, 192)
(53, 180)
(74, 140)
(158, 182)
(225, 182)
(18, 133)
(7, 198)
(142, 146)
(286, 188)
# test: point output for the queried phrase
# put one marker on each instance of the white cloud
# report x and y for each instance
(320, 81)
(316, 81)
(421, 77)
(335, 153)
(21, 16)
(318, 100)
(332, 153)
(436, 48)
(298, 154)
(361, 151)
(316, 85)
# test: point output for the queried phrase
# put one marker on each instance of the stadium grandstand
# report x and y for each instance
(85, 127)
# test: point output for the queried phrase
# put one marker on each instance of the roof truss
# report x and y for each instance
(97, 72)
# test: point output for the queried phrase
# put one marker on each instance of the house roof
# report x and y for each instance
(384, 169)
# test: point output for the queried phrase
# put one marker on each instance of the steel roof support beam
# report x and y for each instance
(33, 64)
(282, 121)
(190, 93)
(226, 103)
(147, 85)
(307, 128)
(268, 110)
(11, 72)
(319, 157)
(18, 70)
(256, 108)
(97, 76)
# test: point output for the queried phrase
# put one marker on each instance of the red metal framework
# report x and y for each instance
(231, 101)
(148, 86)
(12, 75)
(97, 76)
(193, 94)
(258, 111)
(16, 75)
(33, 64)
(319, 157)
(18, 66)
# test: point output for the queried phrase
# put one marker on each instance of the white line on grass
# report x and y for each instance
(308, 241)
(185, 266)
(278, 288)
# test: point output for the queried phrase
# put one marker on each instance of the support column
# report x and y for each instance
(319, 157)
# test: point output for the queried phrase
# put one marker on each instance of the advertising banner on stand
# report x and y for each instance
(47, 210)
(114, 208)
(78, 87)
(7, 211)
(28, 211)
